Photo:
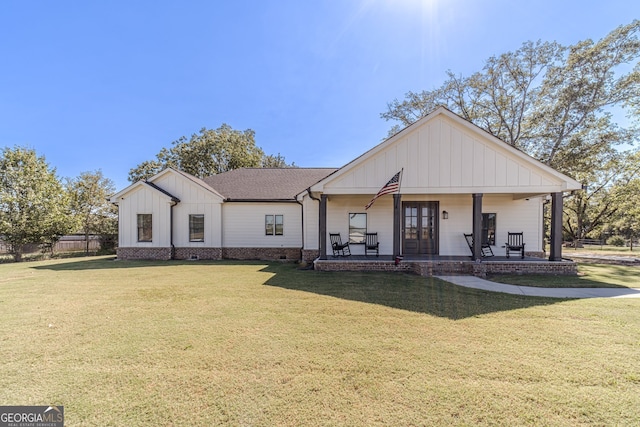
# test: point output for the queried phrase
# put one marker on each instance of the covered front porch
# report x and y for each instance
(427, 233)
(452, 191)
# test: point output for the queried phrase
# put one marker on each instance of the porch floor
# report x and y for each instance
(431, 258)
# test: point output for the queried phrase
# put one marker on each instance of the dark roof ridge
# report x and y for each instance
(275, 168)
(265, 184)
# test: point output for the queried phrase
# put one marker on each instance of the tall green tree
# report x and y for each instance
(499, 98)
(88, 194)
(208, 153)
(33, 203)
(275, 161)
(551, 101)
(626, 221)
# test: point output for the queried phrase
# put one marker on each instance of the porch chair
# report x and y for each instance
(338, 247)
(485, 248)
(371, 244)
(515, 243)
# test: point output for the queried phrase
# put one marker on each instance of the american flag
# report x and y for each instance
(390, 187)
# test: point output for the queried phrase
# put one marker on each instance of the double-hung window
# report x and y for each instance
(145, 231)
(274, 225)
(196, 228)
(357, 227)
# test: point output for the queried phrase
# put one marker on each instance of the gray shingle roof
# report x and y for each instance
(266, 183)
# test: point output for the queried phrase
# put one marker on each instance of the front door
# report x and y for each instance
(420, 228)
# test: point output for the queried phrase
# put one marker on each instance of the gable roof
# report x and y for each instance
(188, 176)
(443, 153)
(142, 184)
(150, 183)
(163, 191)
(265, 184)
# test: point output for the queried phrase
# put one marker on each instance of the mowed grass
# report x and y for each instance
(216, 343)
(589, 276)
(597, 250)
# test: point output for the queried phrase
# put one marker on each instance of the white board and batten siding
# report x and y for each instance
(141, 198)
(194, 200)
(144, 200)
(244, 225)
(311, 223)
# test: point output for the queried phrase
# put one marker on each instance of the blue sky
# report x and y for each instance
(106, 84)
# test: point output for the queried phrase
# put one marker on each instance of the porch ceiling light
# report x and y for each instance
(445, 215)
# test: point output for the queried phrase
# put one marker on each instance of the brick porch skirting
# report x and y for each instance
(363, 265)
(562, 268)
(437, 268)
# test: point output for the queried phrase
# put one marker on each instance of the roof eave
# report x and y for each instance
(292, 200)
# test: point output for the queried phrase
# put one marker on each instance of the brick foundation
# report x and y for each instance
(144, 253)
(267, 254)
(198, 253)
(310, 255)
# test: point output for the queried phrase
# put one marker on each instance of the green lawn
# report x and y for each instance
(209, 343)
(589, 276)
(596, 250)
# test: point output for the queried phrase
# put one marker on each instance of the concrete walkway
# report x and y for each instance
(486, 285)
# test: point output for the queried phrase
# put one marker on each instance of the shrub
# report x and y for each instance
(616, 241)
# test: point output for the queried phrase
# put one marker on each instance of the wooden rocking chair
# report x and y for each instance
(371, 244)
(339, 248)
(515, 243)
(485, 247)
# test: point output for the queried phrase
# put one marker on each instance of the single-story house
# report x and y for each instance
(452, 178)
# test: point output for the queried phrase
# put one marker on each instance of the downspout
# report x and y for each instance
(301, 227)
(173, 247)
(311, 195)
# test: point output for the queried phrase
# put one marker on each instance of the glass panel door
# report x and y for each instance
(410, 236)
(420, 232)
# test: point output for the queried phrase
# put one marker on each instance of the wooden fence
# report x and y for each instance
(71, 243)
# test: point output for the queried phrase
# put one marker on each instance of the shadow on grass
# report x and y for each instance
(402, 291)
(396, 290)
